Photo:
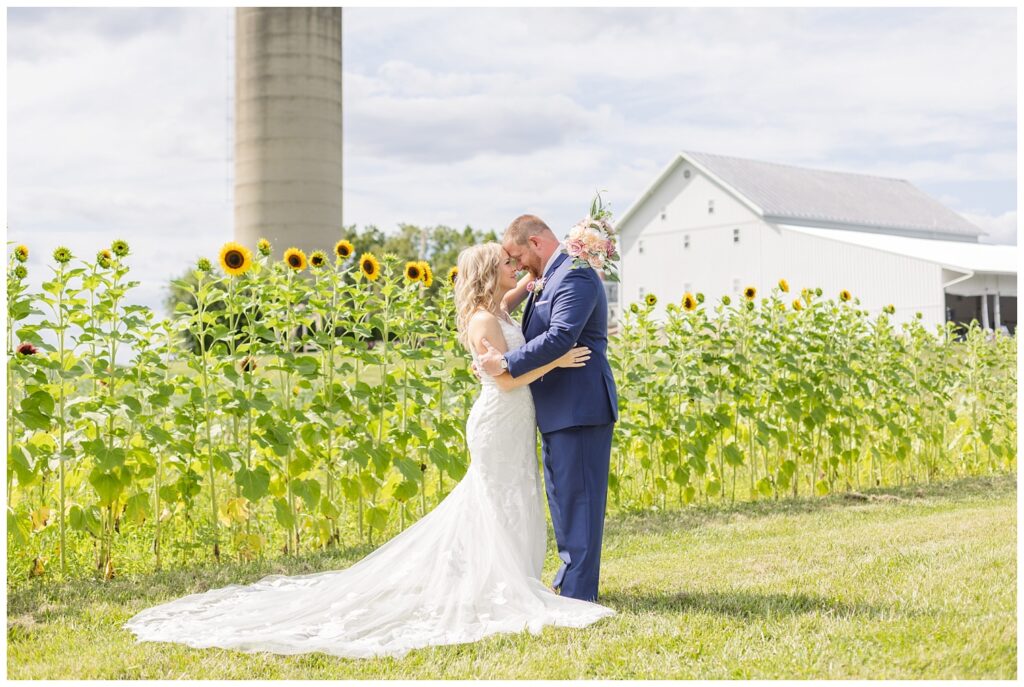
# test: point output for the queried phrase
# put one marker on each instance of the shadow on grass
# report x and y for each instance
(746, 604)
(66, 600)
(629, 522)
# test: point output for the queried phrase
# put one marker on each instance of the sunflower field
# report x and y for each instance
(325, 399)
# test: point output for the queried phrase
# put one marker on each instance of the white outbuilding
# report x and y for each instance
(717, 224)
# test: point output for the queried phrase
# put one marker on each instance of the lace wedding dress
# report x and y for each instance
(468, 569)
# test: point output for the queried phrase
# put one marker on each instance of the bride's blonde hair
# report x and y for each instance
(476, 284)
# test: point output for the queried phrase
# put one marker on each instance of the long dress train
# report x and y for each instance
(468, 569)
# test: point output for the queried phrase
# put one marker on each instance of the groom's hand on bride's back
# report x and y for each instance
(491, 360)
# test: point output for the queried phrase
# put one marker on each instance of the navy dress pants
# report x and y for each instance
(576, 462)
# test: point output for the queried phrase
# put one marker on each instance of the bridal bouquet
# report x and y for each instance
(591, 242)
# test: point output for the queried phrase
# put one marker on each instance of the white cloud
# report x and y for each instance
(116, 123)
(117, 118)
(504, 118)
(923, 95)
(1000, 229)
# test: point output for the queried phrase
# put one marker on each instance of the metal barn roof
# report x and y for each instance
(799, 195)
(785, 192)
(957, 255)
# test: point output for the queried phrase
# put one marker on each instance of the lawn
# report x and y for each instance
(906, 583)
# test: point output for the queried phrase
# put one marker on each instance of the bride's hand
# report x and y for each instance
(577, 357)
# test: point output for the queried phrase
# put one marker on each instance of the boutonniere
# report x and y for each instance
(536, 286)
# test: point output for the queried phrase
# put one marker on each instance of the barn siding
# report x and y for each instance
(715, 265)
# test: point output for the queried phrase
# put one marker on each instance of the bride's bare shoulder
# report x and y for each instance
(483, 318)
(485, 325)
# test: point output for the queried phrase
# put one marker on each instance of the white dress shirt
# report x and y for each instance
(551, 260)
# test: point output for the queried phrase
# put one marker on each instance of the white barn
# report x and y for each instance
(716, 224)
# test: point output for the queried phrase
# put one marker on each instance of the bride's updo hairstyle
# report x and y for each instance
(476, 283)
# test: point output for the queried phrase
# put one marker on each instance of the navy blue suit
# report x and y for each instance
(576, 412)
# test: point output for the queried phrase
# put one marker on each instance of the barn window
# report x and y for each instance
(686, 174)
(686, 287)
(663, 213)
(711, 207)
(640, 247)
(735, 285)
(686, 240)
(640, 291)
(736, 235)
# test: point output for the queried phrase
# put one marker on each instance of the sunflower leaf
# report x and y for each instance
(254, 483)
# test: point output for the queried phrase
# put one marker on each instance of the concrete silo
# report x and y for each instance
(288, 127)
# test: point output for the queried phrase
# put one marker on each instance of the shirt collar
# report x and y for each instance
(551, 260)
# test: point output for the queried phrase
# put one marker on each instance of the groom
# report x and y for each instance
(576, 407)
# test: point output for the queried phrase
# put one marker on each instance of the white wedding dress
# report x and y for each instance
(468, 569)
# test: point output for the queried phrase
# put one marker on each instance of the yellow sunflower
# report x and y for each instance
(651, 299)
(295, 258)
(413, 271)
(343, 249)
(784, 286)
(317, 259)
(369, 266)
(797, 304)
(453, 274)
(263, 246)
(235, 259)
(428, 274)
(689, 302)
(21, 253)
(750, 293)
(844, 295)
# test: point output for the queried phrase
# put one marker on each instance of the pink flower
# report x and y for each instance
(591, 242)
(535, 286)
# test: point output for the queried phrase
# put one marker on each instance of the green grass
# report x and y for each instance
(911, 583)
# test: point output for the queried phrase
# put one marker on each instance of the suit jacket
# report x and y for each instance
(570, 310)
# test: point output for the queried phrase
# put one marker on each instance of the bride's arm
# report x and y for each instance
(511, 300)
(485, 325)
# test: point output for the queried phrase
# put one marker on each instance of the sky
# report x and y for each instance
(119, 121)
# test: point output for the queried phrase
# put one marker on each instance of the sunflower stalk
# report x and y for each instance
(204, 366)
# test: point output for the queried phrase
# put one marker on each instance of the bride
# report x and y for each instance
(468, 569)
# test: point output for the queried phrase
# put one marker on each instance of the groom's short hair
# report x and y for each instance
(523, 227)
